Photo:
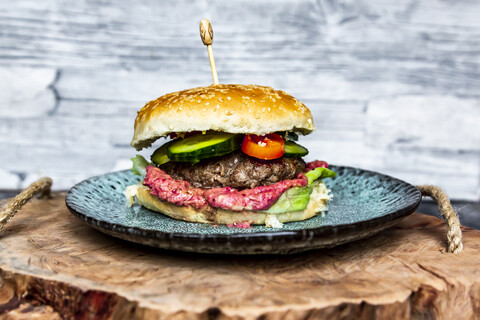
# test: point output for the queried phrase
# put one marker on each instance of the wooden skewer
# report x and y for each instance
(206, 33)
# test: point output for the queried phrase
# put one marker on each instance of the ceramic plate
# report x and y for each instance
(364, 203)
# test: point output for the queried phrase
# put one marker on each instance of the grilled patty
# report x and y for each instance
(236, 170)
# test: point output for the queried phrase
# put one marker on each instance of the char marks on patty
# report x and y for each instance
(236, 170)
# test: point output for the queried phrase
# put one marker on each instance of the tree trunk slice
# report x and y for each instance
(54, 264)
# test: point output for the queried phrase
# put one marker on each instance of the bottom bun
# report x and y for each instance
(318, 203)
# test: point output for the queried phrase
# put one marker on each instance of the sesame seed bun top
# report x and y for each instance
(234, 108)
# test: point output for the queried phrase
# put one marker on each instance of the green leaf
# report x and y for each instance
(297, 198)
(139, 165)
(293, 199)
(319, 173)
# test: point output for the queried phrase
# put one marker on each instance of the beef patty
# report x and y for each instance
(235, 170)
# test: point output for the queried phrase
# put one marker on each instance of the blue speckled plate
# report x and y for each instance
(364, 203)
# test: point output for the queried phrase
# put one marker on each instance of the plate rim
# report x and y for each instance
(291, 234)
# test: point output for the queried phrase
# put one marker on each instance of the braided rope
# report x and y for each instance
(454, 233)
(40, 186)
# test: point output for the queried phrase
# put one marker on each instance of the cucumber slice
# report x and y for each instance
(202, 146)
(288, 135)
(160, 156)
(293, 149)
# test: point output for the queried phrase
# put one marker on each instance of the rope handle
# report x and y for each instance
(454, 233)
(41, 186)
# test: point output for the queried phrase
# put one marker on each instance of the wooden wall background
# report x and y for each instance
(394, 85)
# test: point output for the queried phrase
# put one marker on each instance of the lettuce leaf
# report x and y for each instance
(297, 198)
(319, 173)
(293, 199)
(139, 165)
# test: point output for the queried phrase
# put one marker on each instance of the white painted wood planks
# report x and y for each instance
(393, 86)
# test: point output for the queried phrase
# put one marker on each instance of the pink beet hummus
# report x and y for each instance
(180, 192)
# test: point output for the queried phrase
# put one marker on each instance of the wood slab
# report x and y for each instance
(53, 264)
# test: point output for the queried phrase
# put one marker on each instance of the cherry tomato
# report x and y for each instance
(265, 147)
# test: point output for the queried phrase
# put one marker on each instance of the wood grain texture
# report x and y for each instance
(393, 86)
(53, 260)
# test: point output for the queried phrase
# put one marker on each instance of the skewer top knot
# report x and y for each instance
(206, 32)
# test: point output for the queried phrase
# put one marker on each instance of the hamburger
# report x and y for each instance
(230, 157)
